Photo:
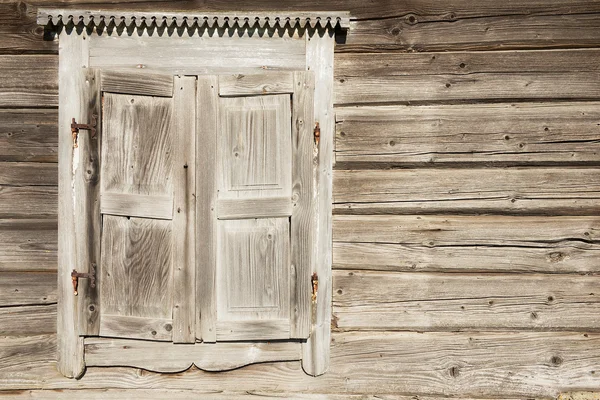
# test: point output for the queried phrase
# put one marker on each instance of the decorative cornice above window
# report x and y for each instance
(269, 20)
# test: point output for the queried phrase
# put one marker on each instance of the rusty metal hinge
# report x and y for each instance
(75, 127)
(317, 133)
(91, 276)
(315, 286)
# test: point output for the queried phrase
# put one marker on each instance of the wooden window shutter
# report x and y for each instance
(255, 217)
(145, 272)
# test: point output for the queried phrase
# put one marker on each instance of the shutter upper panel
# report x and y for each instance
(140, 167)
(263, 198)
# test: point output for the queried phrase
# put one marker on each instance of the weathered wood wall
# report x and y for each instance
(467, 193)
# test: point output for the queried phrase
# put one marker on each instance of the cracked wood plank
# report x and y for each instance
(388, 301)
(567, 191)
(454, 243)
(515, 134)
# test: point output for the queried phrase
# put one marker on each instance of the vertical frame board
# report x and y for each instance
(184, 211)
(319, 60)
(303, 216)
(207, 100)
(73, 57)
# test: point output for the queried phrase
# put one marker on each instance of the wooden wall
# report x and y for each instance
(466, 226)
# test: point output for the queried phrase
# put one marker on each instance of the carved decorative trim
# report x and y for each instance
(305, 20)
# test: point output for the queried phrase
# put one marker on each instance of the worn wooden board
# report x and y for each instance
(240, 85)
(207, 99)
(475, 190)
(390, 301)
(517, 133)
(27, 288)
(184, 217)
(467, 76)
(28, 174)
(28, 244)
(532, 364)
(29, 135)
(413, 32)
(320, 59)
(176, 358)
(28, 320)
(143, 394)
(453, 243)
(28, 81)
(146, 84)
(28, 202)
(203, 55)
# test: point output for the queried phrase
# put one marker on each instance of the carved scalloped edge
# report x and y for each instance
(303, 20)
(166, 357)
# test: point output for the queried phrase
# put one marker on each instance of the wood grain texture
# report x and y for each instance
(207, 112)
(176, 358)
(19, 31)
(532, 364)
(253, 279)
(453, 243)
(259, 84)
(255, 208)
(135, 205)
(201, 55)
(28, 174)
(28, 320)
(29, 135)
(73, 55)
(390, 301)
(484, 76)
(86, 199)
(413, 32)
(515, 134)
(28, 81)
(136, 269)
(144, 394)
(319, 59)
(476, 190)
(28, 202)
(184, 215)
(138, 83)
(28, 245)
(137, 145)
(145, 328)
(303, 221)
(27, 288)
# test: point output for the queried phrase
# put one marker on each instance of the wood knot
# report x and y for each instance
(556, 360)
(454, 371)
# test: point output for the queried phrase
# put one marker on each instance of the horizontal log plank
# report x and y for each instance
(28, 244)
(28, 174)
(397, 77)
(412, 32)
(19, 31)
(467, 243)
(28, 81)
(570, 191)
(521, 133)
(29, 135)
(27, 288)
(388, 301)
(29, 202)
(149, 394)
(523, 364)
(28, 320)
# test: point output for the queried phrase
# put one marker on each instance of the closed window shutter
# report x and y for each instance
(261, 222)
(146, 217)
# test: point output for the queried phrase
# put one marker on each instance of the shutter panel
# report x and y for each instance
(146, 271)
(263, 220)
